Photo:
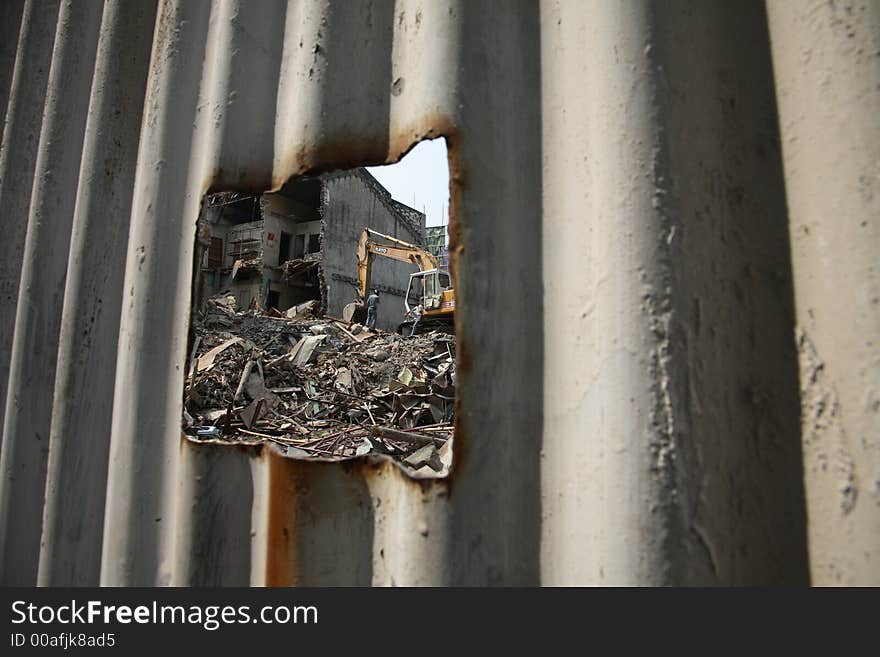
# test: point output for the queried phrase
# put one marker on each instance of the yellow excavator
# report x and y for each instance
(430, 286)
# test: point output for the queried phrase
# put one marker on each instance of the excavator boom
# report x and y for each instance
(395, 249)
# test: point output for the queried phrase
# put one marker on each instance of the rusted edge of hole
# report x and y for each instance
(344, 152)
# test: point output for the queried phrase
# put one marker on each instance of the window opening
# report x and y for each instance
(284, 248)
(314, 243)
(215, 254)
(299, 249)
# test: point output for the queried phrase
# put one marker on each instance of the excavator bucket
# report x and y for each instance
(355, 312)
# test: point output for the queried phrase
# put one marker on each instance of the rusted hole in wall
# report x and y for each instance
(322, 319)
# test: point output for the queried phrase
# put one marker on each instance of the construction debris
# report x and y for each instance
(320, 388)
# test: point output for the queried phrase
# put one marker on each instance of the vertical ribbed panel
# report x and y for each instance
(83, 397)
(427, 37)
(825, 56)
(727, 386)
(605, 431)
(411, 536)
(41, 292)
(145, 436)
(298, 101)
(218, 490)
(496, 237)
(18, 157)
(628, 327)
(670, 380)
(240, 83)
(10, 24)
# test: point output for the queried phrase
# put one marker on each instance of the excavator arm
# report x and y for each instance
(438, 305)
(392, 248)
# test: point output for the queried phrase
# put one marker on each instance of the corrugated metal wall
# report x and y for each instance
(666, 235)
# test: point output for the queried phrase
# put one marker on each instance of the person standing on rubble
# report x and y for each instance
(416, 314)
(372, 308)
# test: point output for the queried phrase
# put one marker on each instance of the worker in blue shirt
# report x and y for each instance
(372, 308)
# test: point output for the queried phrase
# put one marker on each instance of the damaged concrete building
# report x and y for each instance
(299, 244)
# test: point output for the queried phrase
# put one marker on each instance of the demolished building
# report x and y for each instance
(297, 246)
(437, 244)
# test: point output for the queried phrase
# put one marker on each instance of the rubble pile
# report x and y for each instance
(320, 388)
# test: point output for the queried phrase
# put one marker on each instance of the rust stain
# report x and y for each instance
(369, 468)
(243, 182)
(338, 152)
(282, 564)
(248, 448)
(372, 467)
(464, 358)
(347, 151)
(427, 127)
(460, 431)
(343, 151)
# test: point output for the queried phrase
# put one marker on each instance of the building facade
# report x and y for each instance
(299, 244)
(437, 243)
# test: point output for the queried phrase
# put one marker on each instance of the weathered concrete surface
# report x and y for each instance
(41, 293)
(10, 23)
(825, 56)
(219, 532)
(248, 515)
(671, 451)
(82, 408)
(18, 157)
(145, 431)
(411, 537)
(495, 236)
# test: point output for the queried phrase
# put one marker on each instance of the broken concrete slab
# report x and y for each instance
(377, 354)
(365, 335)
(206, 361)
(343, 379)
(256, 389)
(252, 412)
(304, 351)
(426, 455)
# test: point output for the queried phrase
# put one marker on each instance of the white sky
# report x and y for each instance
(421, 180)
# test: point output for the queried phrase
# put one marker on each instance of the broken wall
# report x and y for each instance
(273, 225)
(248, 282)
(354, 200)
(287, 208)
(289, 216)
(279, 215)
(301, 223)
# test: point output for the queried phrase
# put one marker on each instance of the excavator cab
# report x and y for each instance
(427, 288)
